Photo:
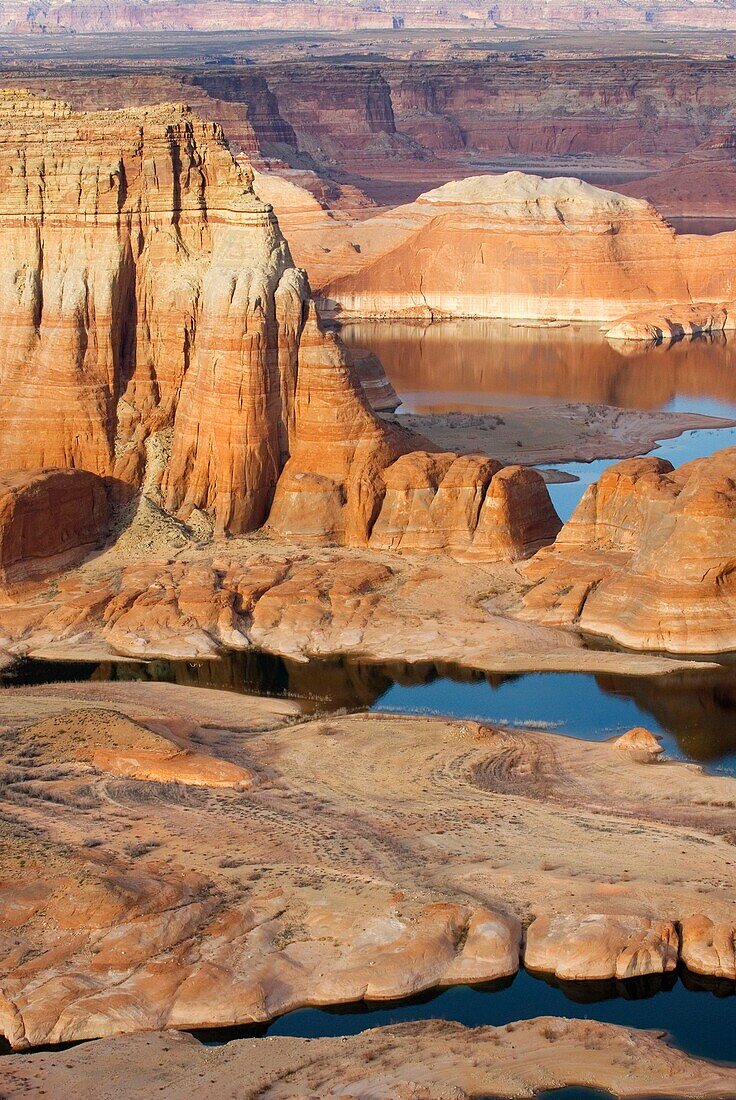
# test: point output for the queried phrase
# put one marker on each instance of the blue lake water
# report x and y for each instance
(700, 1018)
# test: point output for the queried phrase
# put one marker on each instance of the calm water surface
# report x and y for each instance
(700, 1017)
(483, 366)
(694, 711)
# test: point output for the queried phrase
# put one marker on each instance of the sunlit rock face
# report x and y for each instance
(647, 558)
(155, 332)
(519, 246)
(152, 324)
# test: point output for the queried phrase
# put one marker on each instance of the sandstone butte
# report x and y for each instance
(136, 256)
(647, 558)
(517, 246)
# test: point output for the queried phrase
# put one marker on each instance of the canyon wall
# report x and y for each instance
(400, 127)
(153, 322)
(89, 16)
(151, 317)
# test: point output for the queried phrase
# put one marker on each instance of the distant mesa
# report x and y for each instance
(519, 246)
(88, 16)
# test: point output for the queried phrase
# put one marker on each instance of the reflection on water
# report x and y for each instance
(476, 365)
(697, 1020)
(704, 227)
(694, 711)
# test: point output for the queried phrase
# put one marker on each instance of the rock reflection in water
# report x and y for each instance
(694, 710)
(471, 365)
(697, 708)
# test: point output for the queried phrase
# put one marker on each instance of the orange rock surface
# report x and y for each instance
(49, 520)
(647, 558)
(327, 859)
(601, 947)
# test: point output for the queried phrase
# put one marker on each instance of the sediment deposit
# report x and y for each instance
(400, 1062)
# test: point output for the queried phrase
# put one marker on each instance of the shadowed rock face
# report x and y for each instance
(49, 521)
(647, 557)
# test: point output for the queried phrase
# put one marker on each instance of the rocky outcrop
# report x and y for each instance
(640, 744)
(139, 890)
(520, 246)
(700, 184)
(601, 947)
(468, 506)
(659, 326)
(381, 395)
(139, 259)
(709, 947)
(49, 521)
(647, 558)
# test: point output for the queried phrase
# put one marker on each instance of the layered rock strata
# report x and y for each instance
(146, 296)
(153, 318)
(467, 505)
(647, 558)
(520, 246)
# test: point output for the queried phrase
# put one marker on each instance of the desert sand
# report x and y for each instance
(437, 1060)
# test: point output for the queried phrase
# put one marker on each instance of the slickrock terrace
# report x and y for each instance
(403, 1062)
(365, 855)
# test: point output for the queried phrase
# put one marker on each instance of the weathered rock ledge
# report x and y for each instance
(647, 558)
(276, 862)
